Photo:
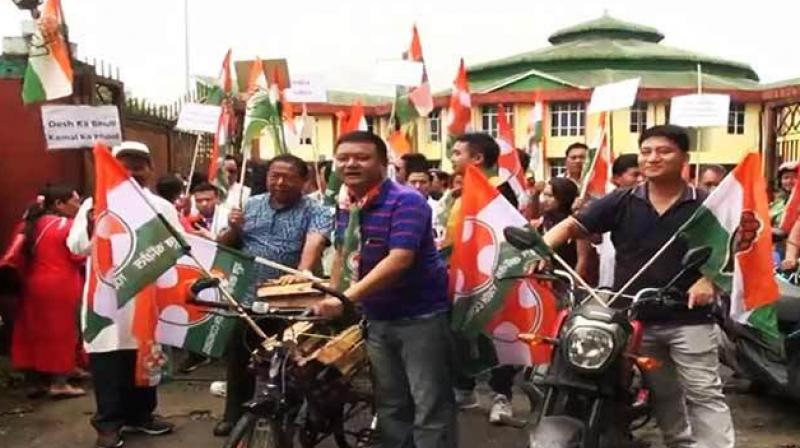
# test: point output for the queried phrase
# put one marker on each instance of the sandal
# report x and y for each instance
(67, 392)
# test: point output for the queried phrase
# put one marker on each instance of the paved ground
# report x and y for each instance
(761, 422)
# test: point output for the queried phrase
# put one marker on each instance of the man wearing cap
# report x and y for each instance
(120, 405)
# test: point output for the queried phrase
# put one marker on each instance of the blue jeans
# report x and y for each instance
(412, 364)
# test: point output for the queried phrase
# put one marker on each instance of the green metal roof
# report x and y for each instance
(606, 27)
(347, 98)
(605, 50)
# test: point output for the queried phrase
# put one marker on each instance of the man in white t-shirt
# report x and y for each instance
(121, 406)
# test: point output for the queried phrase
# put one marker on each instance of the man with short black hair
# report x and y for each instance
(212, 215)
(283, 226)
(439, 184)
(386, 261)
(483, 151)
(688, 401)
(408, 162)
(712, 176)
(625, 171)
(575, 158)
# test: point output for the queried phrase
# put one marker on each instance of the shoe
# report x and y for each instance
(155, 427)
(193, 362)
(223, 429)
(64, 392)
(466, 399)
(109, 440)
(219, 388)
(501, 408)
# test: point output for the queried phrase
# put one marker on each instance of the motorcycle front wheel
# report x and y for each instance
(255, 431)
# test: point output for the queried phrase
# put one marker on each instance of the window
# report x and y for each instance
(736, 119)
(489, 118)
(557, 168)
(435, 126)
(638, 117)
(567, 119)
(370, 124)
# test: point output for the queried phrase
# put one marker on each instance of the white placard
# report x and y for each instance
(398, 72)
(199, 118)
(306, 89)
(700, 110)
(617, 95)
(68, 126)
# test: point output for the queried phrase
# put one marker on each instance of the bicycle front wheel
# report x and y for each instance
(255, 431)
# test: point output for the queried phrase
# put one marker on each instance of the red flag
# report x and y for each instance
(597, 181)
(460, 104)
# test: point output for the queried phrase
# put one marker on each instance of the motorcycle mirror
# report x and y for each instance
(520, 237)
(695, 257)
(778, 235)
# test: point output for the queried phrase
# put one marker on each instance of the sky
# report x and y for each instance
(341, 40)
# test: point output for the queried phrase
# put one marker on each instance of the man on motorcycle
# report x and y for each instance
(688, 401)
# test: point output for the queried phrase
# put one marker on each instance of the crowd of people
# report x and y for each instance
(384, 244)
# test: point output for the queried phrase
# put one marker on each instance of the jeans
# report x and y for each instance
(412, 364)
(119, 401)
(688, 402)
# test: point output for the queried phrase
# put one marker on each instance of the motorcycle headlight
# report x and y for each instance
(589, 348)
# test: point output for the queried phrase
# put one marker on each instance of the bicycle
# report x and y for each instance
(311, 384)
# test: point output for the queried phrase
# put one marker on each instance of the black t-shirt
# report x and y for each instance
(638, 232)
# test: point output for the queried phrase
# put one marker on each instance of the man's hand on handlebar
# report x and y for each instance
(329, 307)
(789, 264)
(701, 293)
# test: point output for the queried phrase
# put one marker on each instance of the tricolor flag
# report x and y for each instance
(131, 247)
(353, 120)
(420, 96)
(256, 80)
(221, 140)
(223, 88)
(460, 104)
(597, 178)
(490, 299)
(49, 72)
(187, 326)
(734, 222)
(536, 137)
(221, 95)
(509, 166)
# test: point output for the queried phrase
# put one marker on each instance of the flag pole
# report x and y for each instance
(187, 250)
(580, 280)
(641, 270)
(194, 163)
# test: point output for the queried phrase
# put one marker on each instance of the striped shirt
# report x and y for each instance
(400, 218)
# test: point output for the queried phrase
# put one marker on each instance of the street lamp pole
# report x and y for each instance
(186, 43)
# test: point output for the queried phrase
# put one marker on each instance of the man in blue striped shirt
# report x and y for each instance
(400, 281)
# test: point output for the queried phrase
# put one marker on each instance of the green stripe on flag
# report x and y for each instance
(156, 250)
(32, 88)
(703, 229)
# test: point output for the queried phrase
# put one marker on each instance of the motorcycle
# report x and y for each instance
(771, 361)
(595, 393)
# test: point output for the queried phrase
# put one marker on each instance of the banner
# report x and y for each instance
(68, 127)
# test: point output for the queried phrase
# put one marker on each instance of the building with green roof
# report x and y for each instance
(581, 57)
